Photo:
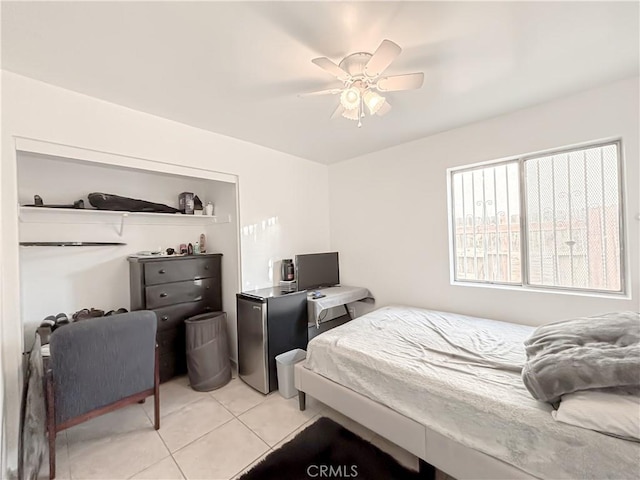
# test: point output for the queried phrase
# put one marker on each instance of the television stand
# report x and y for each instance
(333, 297)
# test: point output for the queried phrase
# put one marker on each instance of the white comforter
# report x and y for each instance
(460, 376)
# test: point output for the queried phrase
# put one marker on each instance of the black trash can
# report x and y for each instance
(207, 351)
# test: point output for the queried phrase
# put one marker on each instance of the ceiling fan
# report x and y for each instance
(362, 76)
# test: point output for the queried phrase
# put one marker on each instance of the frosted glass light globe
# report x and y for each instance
(352, 114)
(350, 98)
(373, 101)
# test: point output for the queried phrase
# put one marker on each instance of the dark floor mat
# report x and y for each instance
(326, 450)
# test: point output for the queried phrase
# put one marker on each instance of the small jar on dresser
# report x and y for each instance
(175, 288)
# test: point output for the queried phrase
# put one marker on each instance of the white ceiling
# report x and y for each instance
(236, 68)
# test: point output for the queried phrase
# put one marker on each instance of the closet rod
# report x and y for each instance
(71, 244)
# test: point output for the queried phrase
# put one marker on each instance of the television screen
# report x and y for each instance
(317, 270)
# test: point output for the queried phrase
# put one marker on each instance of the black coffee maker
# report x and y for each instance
(288, 271)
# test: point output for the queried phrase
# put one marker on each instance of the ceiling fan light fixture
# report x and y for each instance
(362, 75)
(351, 114)
(373, 101)
(350, 98)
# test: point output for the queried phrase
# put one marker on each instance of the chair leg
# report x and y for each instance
(51, 426)
(156, 410)
(52, 456)
(156, 392)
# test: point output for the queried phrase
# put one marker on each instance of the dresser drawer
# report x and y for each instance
(171, 317)
(171, 365)
(178, 270)
(207, 289)
(172, 341)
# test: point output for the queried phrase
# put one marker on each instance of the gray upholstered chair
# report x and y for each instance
(98, 365)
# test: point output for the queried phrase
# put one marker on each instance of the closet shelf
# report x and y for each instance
(93, 216)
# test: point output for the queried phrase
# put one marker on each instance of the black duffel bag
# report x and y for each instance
(107, 201)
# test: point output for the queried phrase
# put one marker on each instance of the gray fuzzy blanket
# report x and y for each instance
(583, 353)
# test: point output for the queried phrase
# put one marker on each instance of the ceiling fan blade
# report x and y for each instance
(384, 109)
(409, 81)
(338, 111)
(331, 91)
(332, 68)
(382, 58)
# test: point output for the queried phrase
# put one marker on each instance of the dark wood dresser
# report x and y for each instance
(175, 288)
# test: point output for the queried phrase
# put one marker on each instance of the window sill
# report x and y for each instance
(519, 288)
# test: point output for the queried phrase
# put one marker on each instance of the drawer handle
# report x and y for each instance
(164, 318)
(206, 267)
(162, 271)
(162, 295)
(207, 287)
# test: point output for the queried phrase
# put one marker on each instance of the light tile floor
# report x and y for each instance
(216, 435)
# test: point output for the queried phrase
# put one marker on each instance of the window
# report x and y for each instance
(551, 221)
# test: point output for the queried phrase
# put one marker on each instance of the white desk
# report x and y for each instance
(335, 297)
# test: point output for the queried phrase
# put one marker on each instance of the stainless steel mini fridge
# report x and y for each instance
(270, 322)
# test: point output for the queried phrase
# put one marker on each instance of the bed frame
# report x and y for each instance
(429, 446)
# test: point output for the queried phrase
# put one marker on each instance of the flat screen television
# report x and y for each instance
(315, 270)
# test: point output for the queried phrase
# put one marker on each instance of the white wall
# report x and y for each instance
(271, 185)
(389, 208)
(3, 351)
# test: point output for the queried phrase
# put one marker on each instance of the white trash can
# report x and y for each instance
(284, 367)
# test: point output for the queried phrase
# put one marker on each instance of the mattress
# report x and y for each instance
(460, 376)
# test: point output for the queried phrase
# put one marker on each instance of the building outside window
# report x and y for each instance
(547, 221)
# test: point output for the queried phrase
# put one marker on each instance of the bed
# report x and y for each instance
(447, 388)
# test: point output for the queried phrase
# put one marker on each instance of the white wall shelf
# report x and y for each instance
(71, 244)
(93, 216)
